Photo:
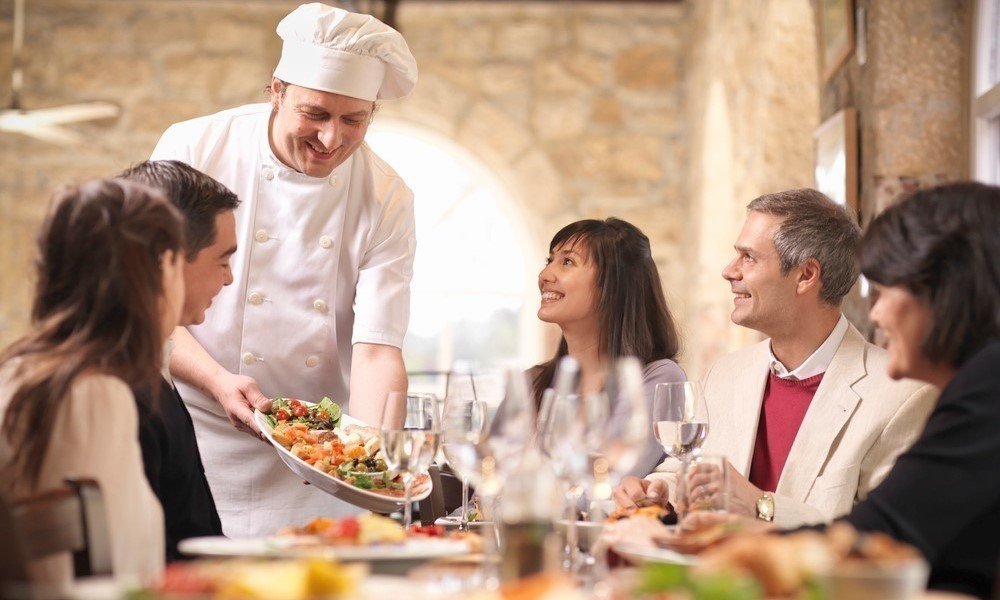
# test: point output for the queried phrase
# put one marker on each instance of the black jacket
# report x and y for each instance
(173, 467)
(943, 494)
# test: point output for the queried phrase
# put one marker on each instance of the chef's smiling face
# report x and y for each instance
(208, 271)
(568, 284)
(314, 132)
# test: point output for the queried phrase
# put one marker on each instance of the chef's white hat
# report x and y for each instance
(333, 50)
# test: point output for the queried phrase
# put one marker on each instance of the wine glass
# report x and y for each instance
(410, 434)
(462, 431)
(562, 438)
(680, 420)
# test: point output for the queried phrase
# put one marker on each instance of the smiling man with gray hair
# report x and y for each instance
(808, 419)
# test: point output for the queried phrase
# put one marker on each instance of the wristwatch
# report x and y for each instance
(765, 507)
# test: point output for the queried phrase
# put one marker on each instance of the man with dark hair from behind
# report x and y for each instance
(166, 433)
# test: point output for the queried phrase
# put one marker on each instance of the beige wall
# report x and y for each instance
(912, 98)
(752, 103)
(672, 116)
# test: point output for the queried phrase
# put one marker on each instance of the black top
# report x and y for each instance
(173, 468)
(943, 495)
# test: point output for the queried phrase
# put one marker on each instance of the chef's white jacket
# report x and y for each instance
(322, 264)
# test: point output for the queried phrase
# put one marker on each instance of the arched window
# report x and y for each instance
(474, 295)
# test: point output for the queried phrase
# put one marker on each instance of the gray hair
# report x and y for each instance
(814, 227)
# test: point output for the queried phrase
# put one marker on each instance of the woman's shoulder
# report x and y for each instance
(663, 371)
(103, 395)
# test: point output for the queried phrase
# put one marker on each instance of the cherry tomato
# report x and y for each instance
(428, 530)
(293, 403)
(347, 528)
(282, 414)
(300, 411)
(321, 415)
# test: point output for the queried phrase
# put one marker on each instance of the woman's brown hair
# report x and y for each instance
(96, 306)
(632, 312)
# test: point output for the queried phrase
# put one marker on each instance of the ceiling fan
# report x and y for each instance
(45, 123)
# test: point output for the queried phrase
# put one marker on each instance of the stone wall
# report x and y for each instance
(751, 105)
(912, 98)
(576, 107)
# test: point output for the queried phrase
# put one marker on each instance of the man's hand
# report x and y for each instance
(743, 495)
(634, 493)
(239, 396)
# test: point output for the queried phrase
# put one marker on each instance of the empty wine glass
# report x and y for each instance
(680, 420)
(410, 436)
(463, 425)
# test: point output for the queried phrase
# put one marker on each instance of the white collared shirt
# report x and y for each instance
(818, 361)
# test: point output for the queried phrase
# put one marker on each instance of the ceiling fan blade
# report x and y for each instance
(70, 113)
(47, 133)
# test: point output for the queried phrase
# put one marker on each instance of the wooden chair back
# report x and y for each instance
(68, 519)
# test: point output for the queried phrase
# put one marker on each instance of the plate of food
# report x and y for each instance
(369, 538)
(338, 454)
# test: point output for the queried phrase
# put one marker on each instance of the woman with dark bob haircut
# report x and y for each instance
(935, 262)
(601, 287)
(109, 291)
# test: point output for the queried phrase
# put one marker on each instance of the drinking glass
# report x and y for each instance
(680, 420)
(703, 485)
(463, 426)
(410, 435)
(562, 438)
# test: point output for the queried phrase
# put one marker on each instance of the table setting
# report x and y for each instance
(541, 523)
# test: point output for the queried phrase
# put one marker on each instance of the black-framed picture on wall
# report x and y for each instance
(836, 32)
(836, 159)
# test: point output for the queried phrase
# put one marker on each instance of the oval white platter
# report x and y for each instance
(367, 499)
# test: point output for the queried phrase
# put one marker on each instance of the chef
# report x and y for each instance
(321, 296)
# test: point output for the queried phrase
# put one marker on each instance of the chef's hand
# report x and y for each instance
(634, 493)
(239, 396)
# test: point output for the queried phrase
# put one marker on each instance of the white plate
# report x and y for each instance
(366, 499)
(288, 547)
(642, 554)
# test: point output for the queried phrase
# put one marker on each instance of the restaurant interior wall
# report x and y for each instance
(912, 98)
(576, 108)
(672, 116)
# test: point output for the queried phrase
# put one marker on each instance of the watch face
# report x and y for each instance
(765, 508)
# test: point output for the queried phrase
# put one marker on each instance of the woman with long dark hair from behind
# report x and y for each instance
(602, 288)
(109, 291)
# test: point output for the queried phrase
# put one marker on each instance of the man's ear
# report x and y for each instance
(809, 276)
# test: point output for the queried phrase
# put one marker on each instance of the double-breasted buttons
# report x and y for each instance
(312, 361)
(255, 298)
(268, 173)
(325, 242)
(320, 305)
(261, 236)
(249, 358)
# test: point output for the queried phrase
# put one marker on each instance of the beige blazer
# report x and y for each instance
(855, 427)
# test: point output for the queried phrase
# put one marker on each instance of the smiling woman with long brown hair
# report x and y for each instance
(601, 286)
(109, 291)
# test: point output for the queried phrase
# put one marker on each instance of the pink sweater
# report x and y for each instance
(785, 404)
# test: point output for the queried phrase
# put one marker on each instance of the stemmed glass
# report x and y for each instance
(680, 421)
(562, 438)
(410, 435)
(617, 426)
(463, 428)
